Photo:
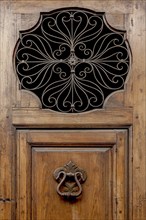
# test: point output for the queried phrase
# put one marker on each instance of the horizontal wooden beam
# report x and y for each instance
(71, 137)
(47, 119)
(35, 5)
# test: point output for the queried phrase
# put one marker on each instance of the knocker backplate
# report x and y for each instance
(72, 60)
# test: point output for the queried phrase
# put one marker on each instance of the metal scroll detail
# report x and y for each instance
(69, 178)
(72, 59)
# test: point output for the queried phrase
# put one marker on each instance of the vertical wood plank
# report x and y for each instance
(109, 170)
(128, 94)
(5, 211)
(114, 183)
(130, 172)
(16, 92)
(23, 176)
(6, 131)
(121, 174)
(139, 116)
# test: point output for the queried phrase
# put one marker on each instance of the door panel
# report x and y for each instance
(102, 154)
(96, 197)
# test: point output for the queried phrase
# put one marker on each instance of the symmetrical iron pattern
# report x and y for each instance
(70, 178)
(72, 60)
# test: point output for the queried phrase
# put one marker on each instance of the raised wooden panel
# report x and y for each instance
(102, 154)
(97, 190)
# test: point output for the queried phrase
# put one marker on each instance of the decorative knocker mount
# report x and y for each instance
(70, 178)
(72, 60)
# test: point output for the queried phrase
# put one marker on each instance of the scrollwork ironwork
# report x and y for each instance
(72, 60)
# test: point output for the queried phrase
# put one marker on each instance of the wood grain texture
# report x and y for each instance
(139, 116)
(113, 6)
(126, 109)
(72, 137)
(113, 117)
(23, 172)
(90, 205)
(122, 192)
(7, 170)
(5, 210)
(105, 192)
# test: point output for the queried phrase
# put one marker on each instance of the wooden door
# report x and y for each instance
(100, 152)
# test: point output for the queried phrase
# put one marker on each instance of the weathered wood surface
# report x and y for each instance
(127, 108)
(103, 118)
(7, 164)
(138, 35)
(101, 154)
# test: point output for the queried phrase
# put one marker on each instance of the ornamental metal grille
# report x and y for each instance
(72, 60)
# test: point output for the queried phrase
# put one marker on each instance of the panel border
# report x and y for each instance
(27, 139)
